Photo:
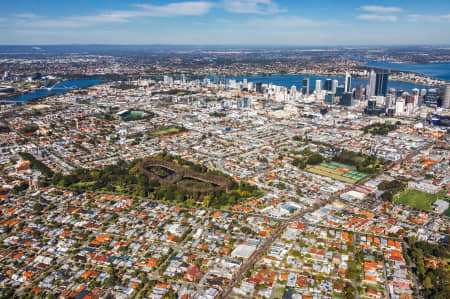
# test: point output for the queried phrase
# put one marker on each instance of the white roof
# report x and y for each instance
(245, 251)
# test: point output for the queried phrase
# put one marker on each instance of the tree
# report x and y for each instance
(427, 283)
(300, 163)
(387, 196)
(349, 291)
(314, 159)
(246, 230)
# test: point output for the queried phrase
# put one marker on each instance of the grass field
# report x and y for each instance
(165, 132)
(416, 199)
(84, 184)
(338, 171)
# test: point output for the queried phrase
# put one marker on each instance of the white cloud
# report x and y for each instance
(189, 8)
(26, 16)
(428, 18)
(2, 20)
(251, 6)
(381, 9)
(282, 22)
(379, 18)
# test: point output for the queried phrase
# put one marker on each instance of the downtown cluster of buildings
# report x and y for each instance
(375, 98)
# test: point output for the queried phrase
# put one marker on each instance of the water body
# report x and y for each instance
(439, 70)
(57, 89)
(289, 80)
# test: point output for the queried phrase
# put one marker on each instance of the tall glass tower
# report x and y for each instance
(305, 86)
(381, 83)
(348, 82)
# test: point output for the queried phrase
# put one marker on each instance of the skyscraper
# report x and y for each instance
(318, 86)
(381, 83)
(259, 87)
(334, 86)
(446, 99)
(6, 76)
(370, 89)
(340, 90)
(246, 103)
(328, 84)
(293, 92)
(305, 86)
(390, 99)
(358, 92)
(348, 82)
(431, 99)
(423, 92)
(329, 99)
(346, 99)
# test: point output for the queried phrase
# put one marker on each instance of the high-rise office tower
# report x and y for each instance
(415, 100)
(6, 76)
(348, 82)
(390, 100)
(305, 86)
(431, 99)
(371, 106)
(258, 87)
(423, 92)
(340, 90)
(346, 99)
(358, 92)
(370, 89)
(334, 86)
(400, 93)
(318, 86)
(166, 80)
(328, 84)
(246, 103)
(329, 98)
(381, 84)
(293, 92)
(446, 99)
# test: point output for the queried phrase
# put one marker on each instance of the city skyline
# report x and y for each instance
(225, 22)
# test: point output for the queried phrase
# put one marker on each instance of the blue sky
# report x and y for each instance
(225, 22)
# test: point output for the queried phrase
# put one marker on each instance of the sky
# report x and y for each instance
(226, 22)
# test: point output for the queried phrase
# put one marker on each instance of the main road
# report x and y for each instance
(252, 260)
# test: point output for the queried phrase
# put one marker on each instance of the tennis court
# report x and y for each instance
(338, 171)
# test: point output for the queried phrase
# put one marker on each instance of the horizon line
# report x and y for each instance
(225, 45)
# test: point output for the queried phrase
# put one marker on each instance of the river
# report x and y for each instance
(58, 89)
